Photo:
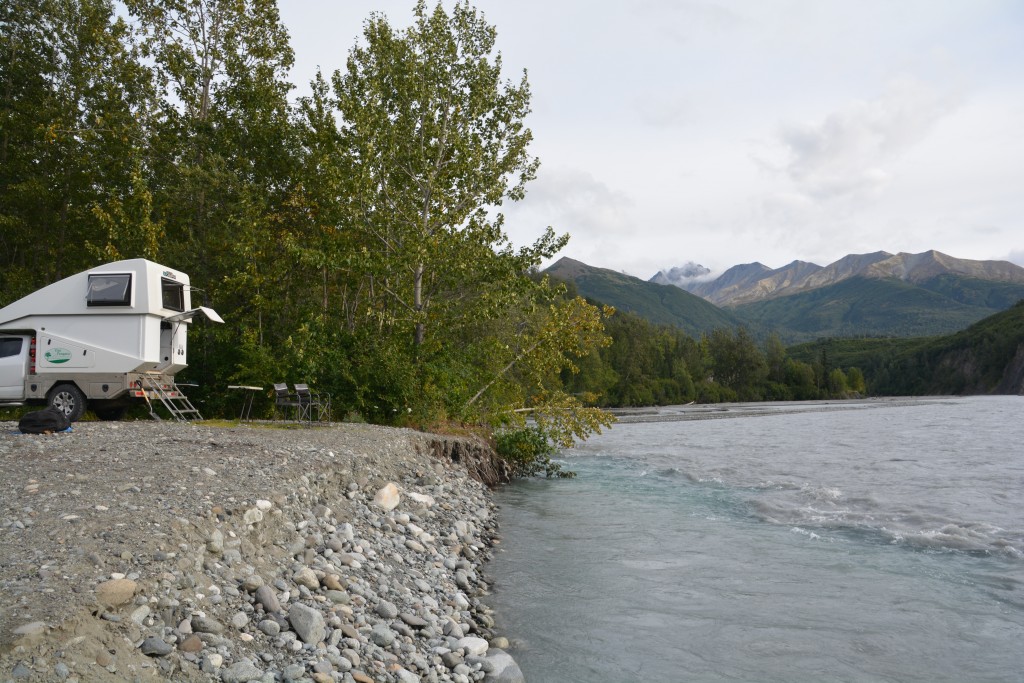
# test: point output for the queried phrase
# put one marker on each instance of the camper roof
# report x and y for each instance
(130, 287)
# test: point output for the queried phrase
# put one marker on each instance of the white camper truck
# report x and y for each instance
(106, 337)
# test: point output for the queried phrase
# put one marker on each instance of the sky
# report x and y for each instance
(732, 131)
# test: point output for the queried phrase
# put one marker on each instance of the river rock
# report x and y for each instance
(306, 577)
(423, 499)
(382, 635)
(241, 672)
(201, 624)
(388, 497)
(156, 647)
(115, 592)
(473, 646)
(307, 622)
(504, 668)
(387, 610)
(265, 596)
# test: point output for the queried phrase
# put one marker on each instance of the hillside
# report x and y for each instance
(659, 304)
(862, 306)
(987, 357)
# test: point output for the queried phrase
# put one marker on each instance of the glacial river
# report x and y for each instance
(848, 541)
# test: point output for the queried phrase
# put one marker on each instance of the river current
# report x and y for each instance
(848, 541)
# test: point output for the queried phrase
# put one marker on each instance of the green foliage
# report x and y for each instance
(528, 452)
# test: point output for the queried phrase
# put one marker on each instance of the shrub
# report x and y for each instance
(528, 452)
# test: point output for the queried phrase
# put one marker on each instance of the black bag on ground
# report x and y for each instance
(44, 421)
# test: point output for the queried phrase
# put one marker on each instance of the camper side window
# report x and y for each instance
(109, 290)
(10, 346)
(173, 295)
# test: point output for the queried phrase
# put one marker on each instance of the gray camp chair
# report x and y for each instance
(286, 403)
(313, 405)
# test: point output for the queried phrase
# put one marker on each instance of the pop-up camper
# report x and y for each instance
(105, 337)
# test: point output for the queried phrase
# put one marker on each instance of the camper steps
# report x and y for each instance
(173, 399)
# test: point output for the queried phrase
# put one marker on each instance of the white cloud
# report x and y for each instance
(572, 200)
(848, 153)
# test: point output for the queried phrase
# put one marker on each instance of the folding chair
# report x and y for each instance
(313, 403)
(286, 402)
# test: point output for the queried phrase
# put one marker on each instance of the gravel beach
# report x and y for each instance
(144, 551)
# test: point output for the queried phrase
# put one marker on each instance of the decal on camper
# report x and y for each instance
(57, 355)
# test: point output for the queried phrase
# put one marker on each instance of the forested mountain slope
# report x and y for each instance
(659, 304)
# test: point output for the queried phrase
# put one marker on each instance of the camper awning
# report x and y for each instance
(188, 315)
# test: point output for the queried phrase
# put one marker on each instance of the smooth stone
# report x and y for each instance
(413, 620)
(476, 647)
(422, 498)
(388, 497)
(206, 625)
(307, 622)
(387, 610)
(504, 668)
(406, 676)
(451, 659)
(382, 635)
(266, 596)
(306, 577)
(270, 627)
(115, 592)
(215, 543)
(156, 647)
(191, 644)
(241, 672)
(252, 582)
(239, 620)
(293, 672)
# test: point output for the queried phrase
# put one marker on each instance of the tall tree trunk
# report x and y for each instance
(421, 327)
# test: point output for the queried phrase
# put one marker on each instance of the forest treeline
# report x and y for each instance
(648, 364)
(987, 357)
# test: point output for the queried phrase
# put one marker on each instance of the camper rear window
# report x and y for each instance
(173, 295)
(110, 290)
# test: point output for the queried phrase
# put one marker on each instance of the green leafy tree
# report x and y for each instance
(222, 162)
(74, 108)
(435, 139)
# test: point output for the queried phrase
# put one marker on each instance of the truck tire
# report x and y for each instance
(68, 399)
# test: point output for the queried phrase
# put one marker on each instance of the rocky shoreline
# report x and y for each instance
(157, 551)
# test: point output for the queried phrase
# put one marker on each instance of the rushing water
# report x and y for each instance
(863, 541)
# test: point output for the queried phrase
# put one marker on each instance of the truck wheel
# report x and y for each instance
(68, 399)
(110, 414)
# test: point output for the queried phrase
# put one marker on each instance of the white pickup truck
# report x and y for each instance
(103, 338)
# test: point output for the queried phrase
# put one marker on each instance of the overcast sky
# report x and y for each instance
(729, 131)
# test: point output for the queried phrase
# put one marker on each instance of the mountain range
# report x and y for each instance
(751, 282)
(877, 294)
